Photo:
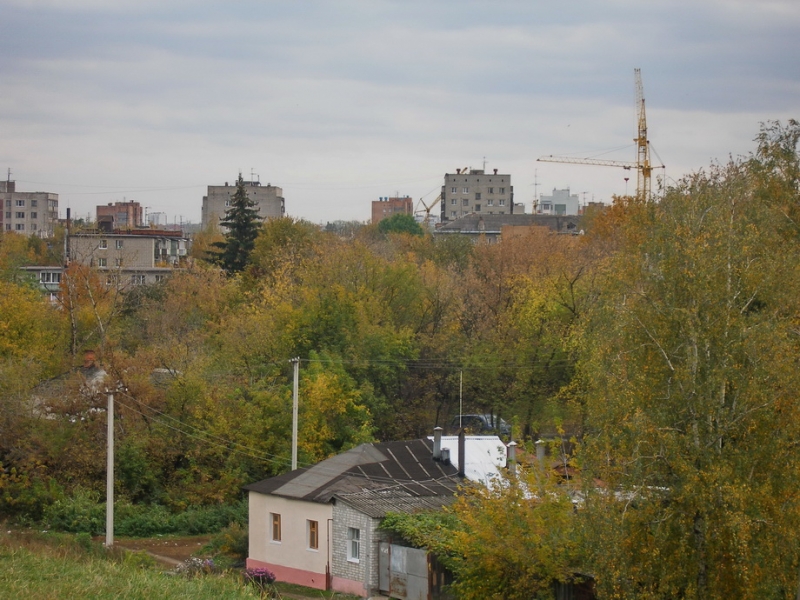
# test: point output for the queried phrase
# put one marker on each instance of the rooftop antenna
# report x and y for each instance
(9, 174)
(484, 164)
(536, 184)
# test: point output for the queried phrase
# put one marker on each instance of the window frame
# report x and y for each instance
(353, 544)
(119, 244)
(275, 528)
(312, 534)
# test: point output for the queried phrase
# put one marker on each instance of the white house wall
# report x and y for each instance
(358, 578)
(290, 559)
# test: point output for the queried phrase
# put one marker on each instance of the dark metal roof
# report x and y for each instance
(378, 503)
(407, 466)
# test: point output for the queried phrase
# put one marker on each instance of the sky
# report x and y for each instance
(340, 102)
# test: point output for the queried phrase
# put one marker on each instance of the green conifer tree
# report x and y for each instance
(242, 223)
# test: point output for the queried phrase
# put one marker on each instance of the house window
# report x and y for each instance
(138, 279)
(465, 202)
(502, 190)
(102, 262)
(477, 195)
(119, 244)
(103, 244)
(20, 203)
(20, 227)
(466, 190)
(502, 202)
(491, 190)
(8, 226)
(20, 215)
(477, 208)
(33, 226)
(276, 527)
(453, 190)
(117, 262)
(453, 213)
(313, 535)
(490, 202)
(33, 215)
(353, 544)
(8, 214)
(50, 277)
(34, 203)
(453, 201)
(159, 278)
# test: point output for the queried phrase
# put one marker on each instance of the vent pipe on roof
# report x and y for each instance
(541, 446)
(446, 456)
(461, 453)
(437, 443)
(511, 458)
(495, 171)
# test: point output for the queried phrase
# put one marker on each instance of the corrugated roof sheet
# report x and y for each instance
(378, 503)
(407, 466)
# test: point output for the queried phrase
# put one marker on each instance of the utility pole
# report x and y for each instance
(296, 362)
(110, 472)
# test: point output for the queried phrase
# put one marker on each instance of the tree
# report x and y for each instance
(241, 224)
(400, 223)
(691, 372)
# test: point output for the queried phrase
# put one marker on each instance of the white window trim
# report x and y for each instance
(351, 540)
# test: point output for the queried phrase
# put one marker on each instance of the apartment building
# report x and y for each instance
(472, 191)
(560, 202)
(386, 207)
(28, 213)
(121, 215)
(268, 201)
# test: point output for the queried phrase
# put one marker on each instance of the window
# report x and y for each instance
(33, 226)
(117, 262)
(453, 201)
(276, 527)
(159, 278)
(313, 535)
(50, 277)
(8, 214)
(353, 544)
(477, 195)
(20, 203)
(33, 215)
(502, 202)
(20, 215)
(453, 213)
(119, 244)
(8, 203)
(103, 244)
(20, 227)
(34, 203)
(490, 202)
(477, 208)
(465, 202)
(466, 190)
(138, 279)
(491, 190)
(453, 190)
(502, 190)
(102, 262)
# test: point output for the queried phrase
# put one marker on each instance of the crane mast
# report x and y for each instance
(644, 168)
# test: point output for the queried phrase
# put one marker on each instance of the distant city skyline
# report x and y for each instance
(340, 103)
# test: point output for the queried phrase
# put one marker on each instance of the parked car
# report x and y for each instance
(481, 424)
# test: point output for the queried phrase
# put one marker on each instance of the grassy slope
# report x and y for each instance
(32, 567)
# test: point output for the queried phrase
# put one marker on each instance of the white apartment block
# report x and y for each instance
(28, 213)
(131, 258)
(560, 202)
(471, 191)
(268, 200)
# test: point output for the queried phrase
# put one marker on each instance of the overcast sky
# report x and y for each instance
(342, 102)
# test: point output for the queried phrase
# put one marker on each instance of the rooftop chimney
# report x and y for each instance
(495, 171)
(437, 443)
(461, 453)
(540, 450)
(511, 458)
(88, 359)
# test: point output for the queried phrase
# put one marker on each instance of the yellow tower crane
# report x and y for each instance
(642, 165)
(428, 208)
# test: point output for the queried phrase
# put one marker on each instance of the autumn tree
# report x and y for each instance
(691, 372)
(241, 225)
(400, 223)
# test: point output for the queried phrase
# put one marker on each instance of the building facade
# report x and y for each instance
(386, 207)
(471, 191)
(560, 202)
(268, 201)
(136, 257)
(28, 213)
(121, 215)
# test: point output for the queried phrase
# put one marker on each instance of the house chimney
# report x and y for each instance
(446, 456)
(495, 171)
(511, 458)
(88, 359)
(541, 446)
(437, 443)
(462, 455)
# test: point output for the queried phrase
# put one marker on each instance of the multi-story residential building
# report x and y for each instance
(268, 201)
(134, 257)
(386, 207)
(473, 191)
(121, 215)
(28, 213)
(560, 202)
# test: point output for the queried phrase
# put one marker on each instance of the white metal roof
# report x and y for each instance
(486, 455)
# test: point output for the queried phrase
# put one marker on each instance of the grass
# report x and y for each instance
(291, 588)
(53, 566)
